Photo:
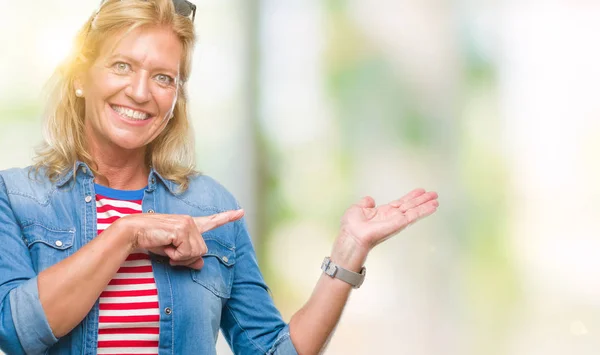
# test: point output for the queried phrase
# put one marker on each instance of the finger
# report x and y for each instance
(421, 211)
(197, 265)
(171, 252)
(409, 196)
(197, 245)
(149, 238)
(182, 250)
(207, 223)
(186, 263)
(366, 202)
(202, 247)
(388, 228)
(197, 241)
(180, 253)
(157, 251)
(415, 202)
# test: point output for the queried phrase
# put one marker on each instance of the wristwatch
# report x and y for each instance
(333, 270)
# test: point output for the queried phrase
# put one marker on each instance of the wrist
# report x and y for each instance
(348, 253)
(354, 279)
(127, 232)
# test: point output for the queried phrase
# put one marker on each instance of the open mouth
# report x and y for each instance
(130, 114)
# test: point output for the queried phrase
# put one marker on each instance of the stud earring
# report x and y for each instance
(79, 93)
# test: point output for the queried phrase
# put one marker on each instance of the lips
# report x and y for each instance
(123, 115)
(130, 114)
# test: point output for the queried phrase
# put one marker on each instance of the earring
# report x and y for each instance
(79, 93)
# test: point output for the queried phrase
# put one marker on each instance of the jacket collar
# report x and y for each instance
(82, 168)
(70, 173)
(154, 177)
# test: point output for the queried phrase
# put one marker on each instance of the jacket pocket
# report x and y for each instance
(217, 273)
(47, 246)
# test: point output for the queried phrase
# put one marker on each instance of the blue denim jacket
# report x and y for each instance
(42, 223)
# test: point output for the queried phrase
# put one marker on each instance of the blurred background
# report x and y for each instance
(302, 107)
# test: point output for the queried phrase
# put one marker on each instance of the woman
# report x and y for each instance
(112, 243)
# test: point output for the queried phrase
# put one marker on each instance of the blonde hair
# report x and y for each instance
(172, 153)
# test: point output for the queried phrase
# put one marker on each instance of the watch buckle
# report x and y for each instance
(328, 268)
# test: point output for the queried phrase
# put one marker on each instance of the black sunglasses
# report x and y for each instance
(182, 7)
(185, 8)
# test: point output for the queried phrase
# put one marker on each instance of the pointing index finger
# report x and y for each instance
(207, 223)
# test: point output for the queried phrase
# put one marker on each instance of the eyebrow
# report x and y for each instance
(138, 64)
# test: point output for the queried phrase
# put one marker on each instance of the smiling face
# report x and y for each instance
(131, 89)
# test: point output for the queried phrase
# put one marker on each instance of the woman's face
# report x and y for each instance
(131, 89)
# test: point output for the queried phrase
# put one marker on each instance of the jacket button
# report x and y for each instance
(88, 198)
(84, 170)
(225, 259)
(150, 211)
(58, 243)
(168, 311)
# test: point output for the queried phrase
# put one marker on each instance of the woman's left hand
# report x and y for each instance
(364, 225)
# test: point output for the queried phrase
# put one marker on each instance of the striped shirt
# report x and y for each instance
(129, 312)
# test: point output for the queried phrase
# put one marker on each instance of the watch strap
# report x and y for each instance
(333, 270)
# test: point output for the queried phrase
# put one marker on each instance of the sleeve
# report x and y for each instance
(24, 328)
(250, 322)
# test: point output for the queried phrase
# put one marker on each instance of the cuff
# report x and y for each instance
(283, 345)
(29, 318)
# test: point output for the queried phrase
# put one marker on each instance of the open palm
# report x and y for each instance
(370, 225)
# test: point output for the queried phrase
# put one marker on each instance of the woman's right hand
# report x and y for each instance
(178, 237)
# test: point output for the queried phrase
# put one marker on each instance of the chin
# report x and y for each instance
(129, 144)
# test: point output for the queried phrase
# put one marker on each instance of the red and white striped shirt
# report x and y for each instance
(129, 311)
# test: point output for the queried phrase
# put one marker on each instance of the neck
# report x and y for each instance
(128, 176)
(120, 169)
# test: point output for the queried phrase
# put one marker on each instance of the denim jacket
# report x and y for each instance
(43, 222)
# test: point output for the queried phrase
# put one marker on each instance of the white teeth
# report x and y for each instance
(129, 113)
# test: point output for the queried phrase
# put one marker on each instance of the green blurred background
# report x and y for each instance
(302, 107)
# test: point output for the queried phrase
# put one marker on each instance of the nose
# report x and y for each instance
(139, 90)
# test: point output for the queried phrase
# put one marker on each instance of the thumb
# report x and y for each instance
(366, 202)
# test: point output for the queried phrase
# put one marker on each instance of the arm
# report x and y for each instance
(363, 227)
(249, 320)
(69, 289)
(251, 323)
(19, 304)
(312, 326)
(36, 309)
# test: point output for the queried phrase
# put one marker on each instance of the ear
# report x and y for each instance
(79, 76)
(78, 83)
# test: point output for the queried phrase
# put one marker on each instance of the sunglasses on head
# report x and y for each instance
(185, 8)
(182, 7)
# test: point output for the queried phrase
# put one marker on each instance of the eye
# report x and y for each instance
(164, 79)
(122, 67)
